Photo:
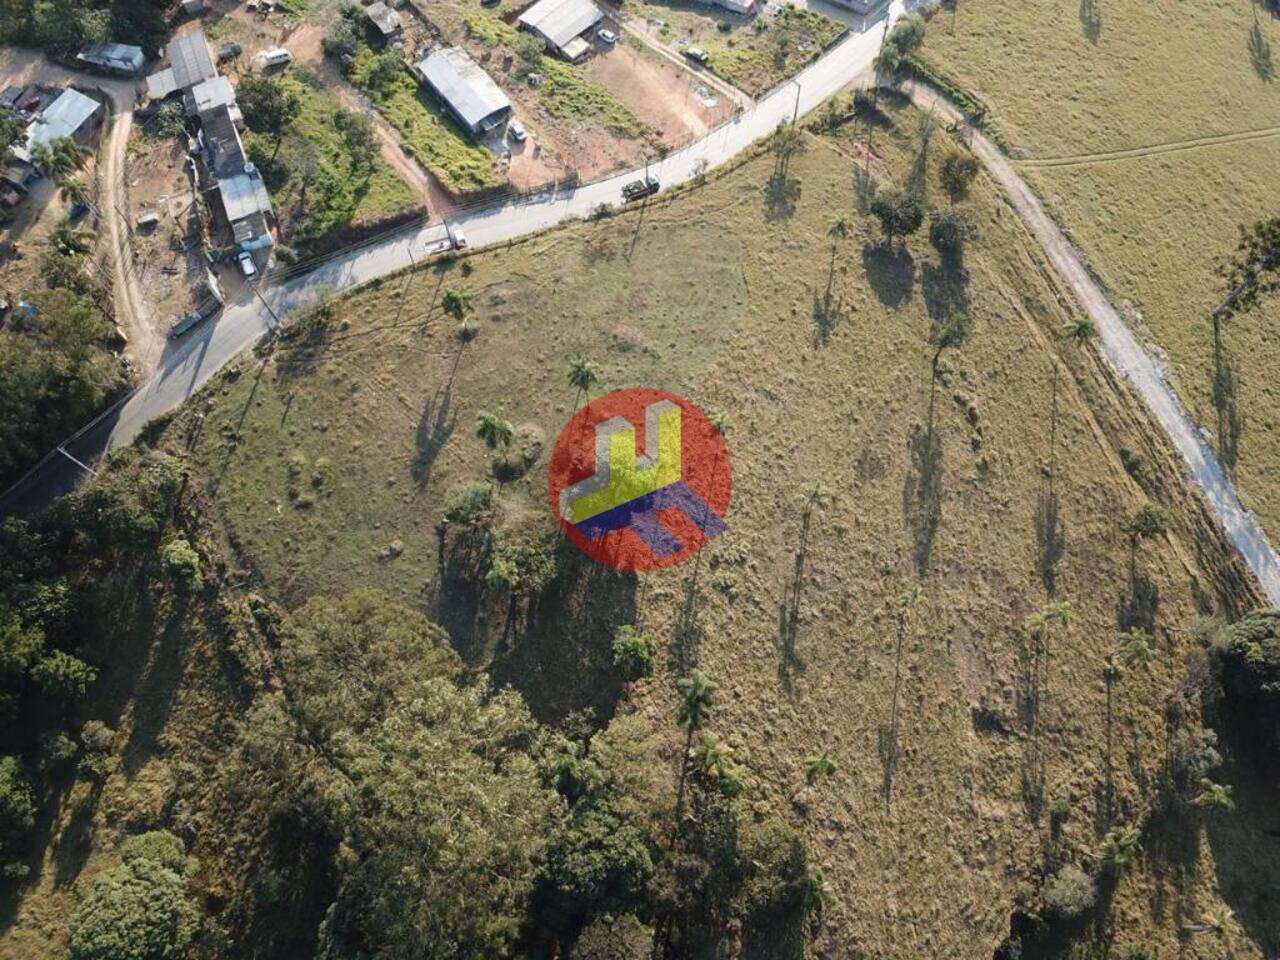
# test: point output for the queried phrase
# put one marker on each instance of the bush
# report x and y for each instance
(158, 846)
(467, 502)
(1248, 659)
(97, 740)
(17, 811)
(899, 212)
(181, 563)
(61, 675)
(949, 231)
(614, 938)
(136, 911)
(1070, 893)
(632, 654)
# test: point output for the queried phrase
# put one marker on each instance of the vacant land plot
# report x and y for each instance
(857, 476)
(322, 190)
(756, 53)
(1159, 78)
(1103, 75)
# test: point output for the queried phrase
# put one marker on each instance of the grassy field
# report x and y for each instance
(345, 197)
(1062, 82)
(331, 461)
(1068, 78)
(428, 134)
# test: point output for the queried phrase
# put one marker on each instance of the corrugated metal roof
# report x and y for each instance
(559, 21)
(62, 118)
(244, 195)
(464, 86)
(217, 92)
(190, 60)
(117, 56)
(386, 19)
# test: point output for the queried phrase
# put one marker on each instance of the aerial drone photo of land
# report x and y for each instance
(620, 480)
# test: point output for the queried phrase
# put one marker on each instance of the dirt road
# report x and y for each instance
(1127, 357)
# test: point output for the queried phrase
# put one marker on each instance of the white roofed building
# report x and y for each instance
(561, 25)
(465, 89)
(190, 63)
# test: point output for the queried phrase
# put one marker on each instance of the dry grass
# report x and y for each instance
(319, 462)
(1157, 72)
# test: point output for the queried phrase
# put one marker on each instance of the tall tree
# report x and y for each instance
(696, 692)
(582, 374)
(268, 105)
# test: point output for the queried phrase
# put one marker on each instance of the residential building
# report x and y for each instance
(561, 24)
(465, 89)
(190, 63)
(72, 115)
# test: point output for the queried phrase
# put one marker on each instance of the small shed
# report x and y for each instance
(208, 94)
(561, 24)
(385, 20)
(465, 89)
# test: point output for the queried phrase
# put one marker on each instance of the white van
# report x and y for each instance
(275, 57)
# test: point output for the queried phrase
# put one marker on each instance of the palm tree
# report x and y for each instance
(1137, 647)
(788, 142)
(71, 189)
(582, 374)
(818, 764)
(840, 229)
(886, 64)
(60, 157)
(494, 430)
(1119, 848)
(695, 706)
(1214, 796)
(457, 303)
(1080, 331)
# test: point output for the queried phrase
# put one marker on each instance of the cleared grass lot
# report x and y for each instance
(332, 462)
(1071, 78)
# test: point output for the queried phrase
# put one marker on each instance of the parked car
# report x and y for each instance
(606, 35)
(518, 133)
(697, 55)
(639, 189)
(247, 266)
(229, 50)
(489, 3)
(275, 57)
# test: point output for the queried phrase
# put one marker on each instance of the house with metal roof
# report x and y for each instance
(72, 115)
(385, 20)
(561, 25)
(190, 63)
(121, 58)
(465, 89)
(208, 94)
(241, 192)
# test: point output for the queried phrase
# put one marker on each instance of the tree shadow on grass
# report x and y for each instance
(1139, 604)
(1051, 538)
(439, 420)
(891, 273)
(781, 193)
(1260, 54)
(1246, 852)
(563, 661)
(1225, 386)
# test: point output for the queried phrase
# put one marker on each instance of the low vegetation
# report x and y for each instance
(322, 165)
(427, 132)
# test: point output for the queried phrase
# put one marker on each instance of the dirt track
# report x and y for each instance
(1175, 146)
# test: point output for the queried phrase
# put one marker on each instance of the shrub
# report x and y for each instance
(17, 811)
(61, 675)
(159, 846)
(949, 231)
(56, 748)
(1070, 893)
(1193, 756)
(467, 502)
(136, 911)
(181, 563)
(633, 654)
(97, 740)
(614, 938)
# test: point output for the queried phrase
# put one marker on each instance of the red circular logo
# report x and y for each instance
(640, 479)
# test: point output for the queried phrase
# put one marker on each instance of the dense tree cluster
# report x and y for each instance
(64, 25)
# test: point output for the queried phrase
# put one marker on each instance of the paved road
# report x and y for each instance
(1127, 357)
(184, 370)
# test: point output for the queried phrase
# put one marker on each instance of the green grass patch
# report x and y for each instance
(429, 134)
(758, 58)
(341, 192)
